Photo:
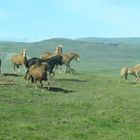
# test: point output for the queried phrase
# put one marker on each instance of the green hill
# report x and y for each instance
(129, 40)
(95, 54)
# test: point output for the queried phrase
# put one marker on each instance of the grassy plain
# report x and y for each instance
(86, 106)
(83, 106)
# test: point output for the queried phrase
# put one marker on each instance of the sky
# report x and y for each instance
(34, 20)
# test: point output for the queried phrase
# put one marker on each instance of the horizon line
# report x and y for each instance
(39, 40)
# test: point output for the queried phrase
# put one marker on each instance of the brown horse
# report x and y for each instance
(67, 58)
(46, 55)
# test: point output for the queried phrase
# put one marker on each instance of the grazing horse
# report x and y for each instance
(67, 58)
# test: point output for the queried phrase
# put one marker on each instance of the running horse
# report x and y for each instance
(67, 58)
(48, 55)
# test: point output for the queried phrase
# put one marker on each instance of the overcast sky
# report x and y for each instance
(32, 20)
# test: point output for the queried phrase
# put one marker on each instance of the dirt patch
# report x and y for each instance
(7, 82)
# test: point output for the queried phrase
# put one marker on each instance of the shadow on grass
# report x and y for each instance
(11, 74)
(74, 80)
(56, 89)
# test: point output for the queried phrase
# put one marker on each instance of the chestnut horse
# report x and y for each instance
(66, 59)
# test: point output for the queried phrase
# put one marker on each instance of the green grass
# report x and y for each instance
(86, 106)
(90, 105)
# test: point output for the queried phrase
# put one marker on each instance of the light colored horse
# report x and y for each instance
(47, 55)
(132, 71)
(58, 50)
(19, 59)
(67, 58)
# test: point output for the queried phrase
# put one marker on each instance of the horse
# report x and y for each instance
(58, 50)
(67, 58)
(48, 55)
(52, 62)
(19, 59)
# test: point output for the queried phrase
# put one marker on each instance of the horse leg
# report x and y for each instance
(48, 84)
(35, 83)
(28, 81)
(71, 70)
(137, 77)
(14, 68)
(18, 68)
(60, 69)
(51, 75)
(0, 69)
(24, 68)
(26, 74)
(67, 68)
(41, 84)
(123, 76)
(55, 67)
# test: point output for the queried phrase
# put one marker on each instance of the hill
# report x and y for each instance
(96, 53)
(129, 40)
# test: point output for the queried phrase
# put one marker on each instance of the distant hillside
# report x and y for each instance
(95, 53)
(111, 40)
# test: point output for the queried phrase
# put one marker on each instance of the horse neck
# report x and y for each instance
(58, 51)
(25, 58)
(73, 56)
(23, 53)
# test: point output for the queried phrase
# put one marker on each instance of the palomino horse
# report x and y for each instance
(67, 58)
(48, 55)
(58, 49)
(19, 59)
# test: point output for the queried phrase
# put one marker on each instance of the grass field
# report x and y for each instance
(90, 105)
(77, 107)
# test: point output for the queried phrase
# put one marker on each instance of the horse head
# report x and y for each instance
(23, 52)
(77, 57)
